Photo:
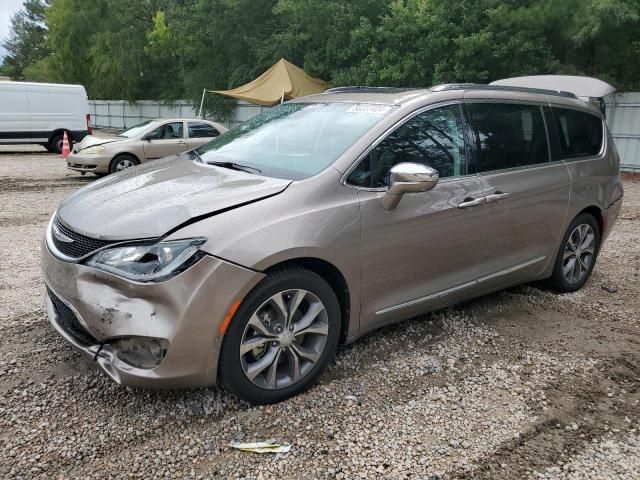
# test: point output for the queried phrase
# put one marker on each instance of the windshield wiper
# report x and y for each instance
(235, 166)
(197, 155)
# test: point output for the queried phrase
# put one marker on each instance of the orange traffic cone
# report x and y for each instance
(65, 146)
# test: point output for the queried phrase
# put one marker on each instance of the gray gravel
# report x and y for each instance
(521, 384)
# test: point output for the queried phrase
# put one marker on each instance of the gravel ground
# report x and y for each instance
(521, 384)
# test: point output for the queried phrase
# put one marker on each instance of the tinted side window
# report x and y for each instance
(168, 131)
(580, 133)
(554, 139)
(434, 138)
(508, 135)
(201, 130)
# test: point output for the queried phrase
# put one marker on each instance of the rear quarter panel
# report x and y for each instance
(595, 181)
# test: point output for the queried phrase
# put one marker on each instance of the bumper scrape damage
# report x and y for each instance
(152, 334)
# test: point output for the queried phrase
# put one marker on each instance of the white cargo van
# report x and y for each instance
(41, 112)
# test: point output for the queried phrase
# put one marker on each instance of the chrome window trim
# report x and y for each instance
(536, 166)
(389, 131)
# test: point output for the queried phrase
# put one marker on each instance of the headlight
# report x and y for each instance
(94, 150)
(145, 263)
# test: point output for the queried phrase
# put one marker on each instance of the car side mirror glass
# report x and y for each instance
(408, 178)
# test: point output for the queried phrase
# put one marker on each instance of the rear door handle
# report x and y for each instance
(496, 197)
(472, 202)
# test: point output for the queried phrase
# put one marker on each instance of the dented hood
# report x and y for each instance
(154, 198)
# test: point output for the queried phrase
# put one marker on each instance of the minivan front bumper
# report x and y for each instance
(92, 309)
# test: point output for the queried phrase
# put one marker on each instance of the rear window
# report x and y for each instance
(579, 133)
(508, 135)
(201, 130)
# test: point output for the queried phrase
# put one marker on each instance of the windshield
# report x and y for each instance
(137, 130)
(294, 140)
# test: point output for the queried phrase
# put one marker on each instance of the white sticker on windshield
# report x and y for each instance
(369, 108)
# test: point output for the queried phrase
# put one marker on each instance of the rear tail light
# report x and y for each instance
(89, 129)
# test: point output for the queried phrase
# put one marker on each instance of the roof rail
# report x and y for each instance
(363, 89)
(582, 87)
(505, 88)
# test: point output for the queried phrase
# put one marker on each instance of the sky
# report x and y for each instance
(7, 8)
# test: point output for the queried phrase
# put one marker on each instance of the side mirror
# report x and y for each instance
(408, 178)
(147, 138)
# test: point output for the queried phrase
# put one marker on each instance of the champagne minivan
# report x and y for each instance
(248, 260)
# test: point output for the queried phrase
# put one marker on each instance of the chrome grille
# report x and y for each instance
(80, 245)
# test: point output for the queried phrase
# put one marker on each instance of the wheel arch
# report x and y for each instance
(592, 210)
(595, 212)
(120, 154)
(60, 131)
(333, 276)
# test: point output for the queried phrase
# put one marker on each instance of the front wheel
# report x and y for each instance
(577, 255)
(281, 338)
(122, 162)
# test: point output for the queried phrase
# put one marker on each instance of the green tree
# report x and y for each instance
(322, 38)
(170, 49)
(26, 43)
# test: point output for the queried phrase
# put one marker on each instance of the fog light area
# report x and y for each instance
(141, 352)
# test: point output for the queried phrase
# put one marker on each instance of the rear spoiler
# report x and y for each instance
(586, 88)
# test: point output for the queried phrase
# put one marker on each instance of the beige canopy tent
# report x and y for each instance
(283, 81)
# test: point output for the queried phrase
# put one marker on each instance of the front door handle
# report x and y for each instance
(496, 197)
(472, 202)
(181, 142)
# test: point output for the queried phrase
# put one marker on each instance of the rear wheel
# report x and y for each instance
(55, 145)
(122, 162)
(281, 338)
(577, 255)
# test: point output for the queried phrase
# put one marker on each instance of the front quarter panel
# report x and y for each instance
(316, 218)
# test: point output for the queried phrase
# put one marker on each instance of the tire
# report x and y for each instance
(122, 162)
(316, 319)
(584, 234)
(55, 145)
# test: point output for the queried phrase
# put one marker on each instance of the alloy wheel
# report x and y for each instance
(578, 253)
(284, 339)
(124, 163)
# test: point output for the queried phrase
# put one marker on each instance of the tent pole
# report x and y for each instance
(282, 98)
(204, 90)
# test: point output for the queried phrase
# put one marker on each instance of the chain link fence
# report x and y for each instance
(120, 114)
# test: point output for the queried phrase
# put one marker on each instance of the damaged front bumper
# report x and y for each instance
(94, 310)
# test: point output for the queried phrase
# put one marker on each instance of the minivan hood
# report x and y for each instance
(150, 200)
